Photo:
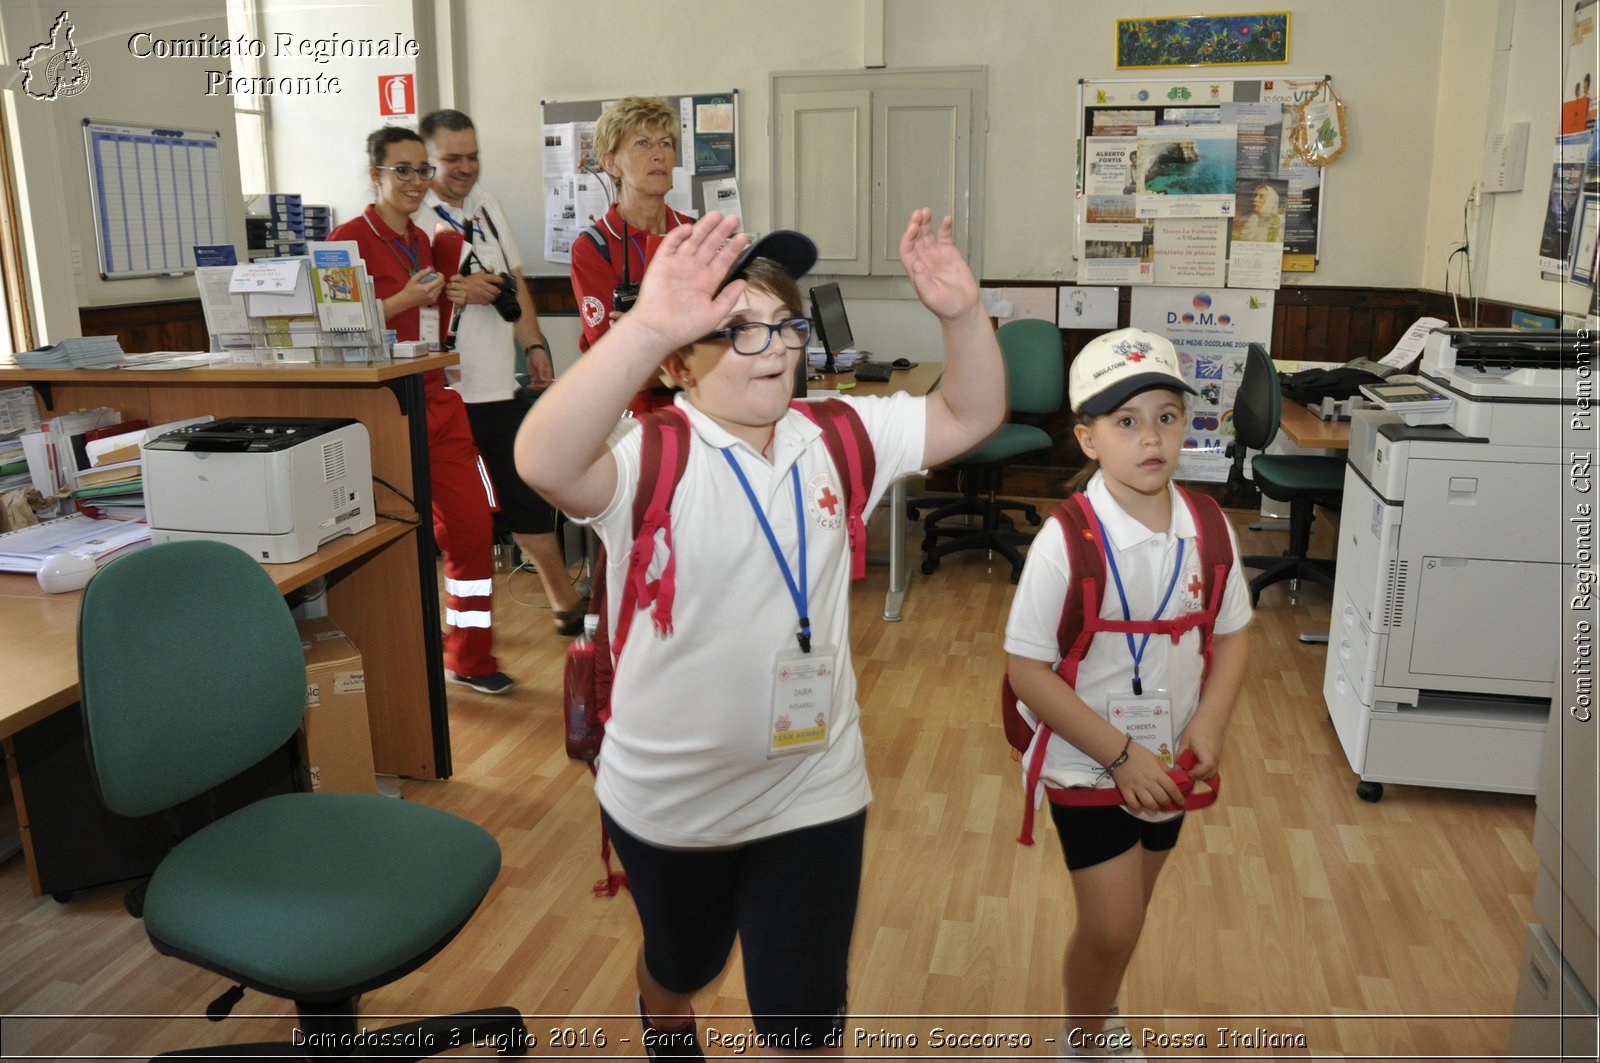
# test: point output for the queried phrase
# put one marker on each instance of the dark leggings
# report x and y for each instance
(790, 899)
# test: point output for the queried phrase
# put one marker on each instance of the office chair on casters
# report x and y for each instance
(1034, 365)
(1302, 480)
(191, 671)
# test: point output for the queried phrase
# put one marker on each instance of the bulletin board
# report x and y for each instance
(576, 192)
(1127, 206)
(157, 194)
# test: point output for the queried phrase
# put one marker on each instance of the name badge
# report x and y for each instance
(1147, 720)
(428, 326)
(802, 699)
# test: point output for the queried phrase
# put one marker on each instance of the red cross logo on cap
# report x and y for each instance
(1135, 357)
(828, 501)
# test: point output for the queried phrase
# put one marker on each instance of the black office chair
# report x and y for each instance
(1034, 386)
(191, 671)
(1303, 481)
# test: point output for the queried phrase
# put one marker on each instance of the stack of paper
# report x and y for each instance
(25, 549)
(844, 361)
(19, 413)
(77, 352)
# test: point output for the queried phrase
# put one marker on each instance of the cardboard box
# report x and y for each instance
(335, 742)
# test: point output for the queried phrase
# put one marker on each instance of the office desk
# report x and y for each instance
(1306, 429)
(918, 380)
(382, 587)
(68, 840)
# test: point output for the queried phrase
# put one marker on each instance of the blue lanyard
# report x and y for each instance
(1111, 562)
(798, 593)
(466, 232)
(411, 256)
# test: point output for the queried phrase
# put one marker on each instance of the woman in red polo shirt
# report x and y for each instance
(399, 259)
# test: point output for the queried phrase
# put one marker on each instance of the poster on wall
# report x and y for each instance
(1211, 148)
(1211, 328)
(1566, 182)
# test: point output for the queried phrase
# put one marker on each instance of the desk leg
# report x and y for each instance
(414, 403)
(899, 570)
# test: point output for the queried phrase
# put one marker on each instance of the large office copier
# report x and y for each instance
(1448, 594)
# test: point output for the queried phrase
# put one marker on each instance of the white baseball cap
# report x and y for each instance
(1114, 367)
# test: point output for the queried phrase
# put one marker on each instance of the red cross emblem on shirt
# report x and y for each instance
(828, 501)
(1195, 586)
(1135, 357)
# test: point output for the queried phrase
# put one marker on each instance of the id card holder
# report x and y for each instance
(428, 326)
(802, 699)
(1147, 720)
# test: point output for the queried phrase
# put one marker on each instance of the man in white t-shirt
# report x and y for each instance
(496, 319)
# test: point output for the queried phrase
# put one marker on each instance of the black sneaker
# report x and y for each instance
(669, 1044)
(490, 683)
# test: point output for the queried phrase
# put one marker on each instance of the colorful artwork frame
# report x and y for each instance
(1203, 40)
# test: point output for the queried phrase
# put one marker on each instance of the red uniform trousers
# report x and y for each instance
(463, 523)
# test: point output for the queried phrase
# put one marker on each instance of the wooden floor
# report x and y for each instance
(1293, 921)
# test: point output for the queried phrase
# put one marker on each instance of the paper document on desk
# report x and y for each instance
(25, 549)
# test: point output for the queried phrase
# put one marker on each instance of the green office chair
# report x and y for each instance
(1034, 365)
(1302, 480)
(191, 671)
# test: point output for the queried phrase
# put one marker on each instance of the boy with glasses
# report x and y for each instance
(732, 780)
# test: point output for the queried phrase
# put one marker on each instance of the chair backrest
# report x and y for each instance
(1035, 365)
(190, 671)
(1259, 403)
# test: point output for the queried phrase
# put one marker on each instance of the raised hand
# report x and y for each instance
(941, 277)
(678, 298)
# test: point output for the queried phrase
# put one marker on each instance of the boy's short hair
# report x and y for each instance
(1114, 367)
(765, 275)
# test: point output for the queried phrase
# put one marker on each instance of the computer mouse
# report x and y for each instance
(65, 572)
(901, 363)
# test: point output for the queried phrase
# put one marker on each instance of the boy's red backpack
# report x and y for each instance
(663, 456)
(1081, 621)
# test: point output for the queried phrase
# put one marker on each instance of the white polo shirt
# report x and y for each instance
(685, 761)
(486, 342)
(1145, 559)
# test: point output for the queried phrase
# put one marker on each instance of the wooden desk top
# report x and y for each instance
(918, 380)
(1306, 429)
(39, 631)
(292, 373)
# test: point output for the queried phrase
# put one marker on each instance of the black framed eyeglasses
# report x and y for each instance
(405, 171)
(754, 337)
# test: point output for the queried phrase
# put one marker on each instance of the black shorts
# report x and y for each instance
(1092, 835)
(494, 430)
(791, 899)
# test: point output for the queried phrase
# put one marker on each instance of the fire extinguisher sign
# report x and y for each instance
(397, 95)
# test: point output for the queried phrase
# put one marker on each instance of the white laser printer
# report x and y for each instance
(275, 487)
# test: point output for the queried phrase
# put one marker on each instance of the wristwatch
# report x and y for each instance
(539, 344)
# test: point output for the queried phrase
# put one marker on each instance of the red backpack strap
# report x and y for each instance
(851, 450)
(664, 448)
(1215, 548)
(1080, 620)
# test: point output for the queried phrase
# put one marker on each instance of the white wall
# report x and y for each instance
(48, 142)
(318, 142)
(1526, 56)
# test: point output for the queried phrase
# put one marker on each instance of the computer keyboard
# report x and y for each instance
(873, 372)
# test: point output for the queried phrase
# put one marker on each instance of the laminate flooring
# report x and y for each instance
(1293, 920)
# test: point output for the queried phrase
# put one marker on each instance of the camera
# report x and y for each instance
(623, 296)
(506, 302)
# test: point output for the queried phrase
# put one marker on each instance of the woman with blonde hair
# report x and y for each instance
(636, 141)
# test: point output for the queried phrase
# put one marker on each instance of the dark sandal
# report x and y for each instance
(570, 621)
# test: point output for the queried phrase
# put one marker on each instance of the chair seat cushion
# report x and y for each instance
(1009, 441)
(316, 895)
(1299, 474)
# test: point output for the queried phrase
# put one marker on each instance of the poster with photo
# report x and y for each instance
(1566, 181)
(1186, 171)
(1211, 329)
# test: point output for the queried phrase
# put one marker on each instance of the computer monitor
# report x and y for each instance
(832, 325)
